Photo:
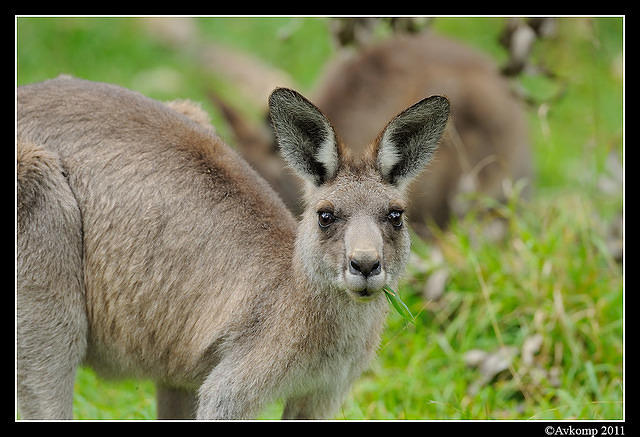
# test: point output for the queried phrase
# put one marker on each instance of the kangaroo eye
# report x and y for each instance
(395, 217)
(325, 218)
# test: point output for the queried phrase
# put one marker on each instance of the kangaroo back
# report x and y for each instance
(148, 181)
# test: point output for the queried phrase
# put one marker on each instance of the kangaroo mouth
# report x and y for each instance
(364, 292)
(364, 295)
(363, 288)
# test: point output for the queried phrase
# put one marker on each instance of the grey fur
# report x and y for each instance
(148, 248)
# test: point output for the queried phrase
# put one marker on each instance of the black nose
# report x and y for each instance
(365, 267)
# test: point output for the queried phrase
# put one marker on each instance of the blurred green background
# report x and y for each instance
(545, 300)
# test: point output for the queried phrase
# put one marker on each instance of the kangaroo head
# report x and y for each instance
(352, 235)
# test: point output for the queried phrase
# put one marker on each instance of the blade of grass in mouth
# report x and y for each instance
(398, 304)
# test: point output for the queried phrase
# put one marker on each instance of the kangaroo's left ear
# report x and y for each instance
(408, 142)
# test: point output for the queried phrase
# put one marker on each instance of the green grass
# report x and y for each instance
(549, 274)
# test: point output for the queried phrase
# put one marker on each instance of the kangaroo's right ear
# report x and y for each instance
(306, 138)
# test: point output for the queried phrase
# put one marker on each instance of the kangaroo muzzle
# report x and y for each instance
(365, 263)
(364, 269)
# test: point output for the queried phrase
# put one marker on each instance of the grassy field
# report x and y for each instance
(543, 298)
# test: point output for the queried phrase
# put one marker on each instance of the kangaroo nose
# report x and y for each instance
(366, 264)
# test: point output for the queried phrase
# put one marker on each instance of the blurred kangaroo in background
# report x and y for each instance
(148, 248)
(486, 141)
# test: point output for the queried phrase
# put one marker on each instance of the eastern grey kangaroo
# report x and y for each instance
(486, 140)
(148, 248)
